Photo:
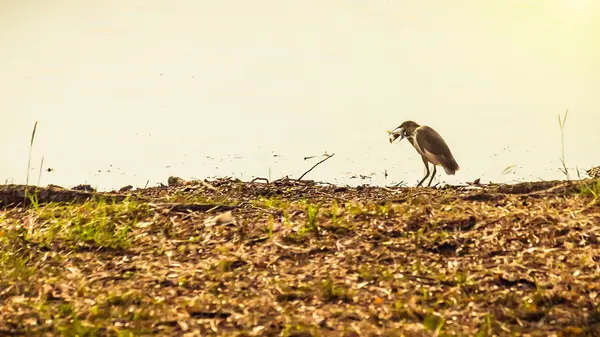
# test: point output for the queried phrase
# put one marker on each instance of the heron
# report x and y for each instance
(429, 144)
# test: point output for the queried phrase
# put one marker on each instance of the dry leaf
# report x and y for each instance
(221, 219)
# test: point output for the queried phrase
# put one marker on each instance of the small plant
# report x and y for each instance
(271, 226)
(331, 292)
(592, 189)
(286, 219)
(125, 333)
(271, 203)
(385, 274)
(75, 327)
(561, 123)
(65, 309)
(434, 323)
(312, 211)
(382, 209)
(15, 266)
(29, 161)
(365, 274)
(97, 224)
(131, 297)
(461, 278)
(299, 329)
(228, 265)
(33, 200)
(334, 211)
(486, 327)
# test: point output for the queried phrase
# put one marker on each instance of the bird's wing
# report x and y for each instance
(431, 141)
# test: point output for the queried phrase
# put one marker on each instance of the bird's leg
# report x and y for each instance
(432, 175)
(426, 175)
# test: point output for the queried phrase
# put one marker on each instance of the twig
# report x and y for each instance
(302, 176)
(552, 189)
(291, 248)
(325, 183)
(419, 193)
(260, 179)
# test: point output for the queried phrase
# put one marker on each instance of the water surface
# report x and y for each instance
(132, 92)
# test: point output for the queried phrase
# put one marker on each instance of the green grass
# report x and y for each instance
(592, 189)
(333, 292)
(272, 203)
(101, 224)
(14, 263)
(312, 211)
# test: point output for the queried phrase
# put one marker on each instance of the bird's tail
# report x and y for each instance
(450, 166)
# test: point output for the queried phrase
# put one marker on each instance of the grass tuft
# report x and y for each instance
(332, 292)
(592, 189)
(99, 224)
(29, 161)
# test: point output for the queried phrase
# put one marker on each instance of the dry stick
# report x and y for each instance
(302, 176)
(552, 189)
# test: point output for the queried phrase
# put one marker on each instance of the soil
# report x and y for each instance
(300, 258)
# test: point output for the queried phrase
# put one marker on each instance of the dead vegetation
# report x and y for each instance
(295, 258)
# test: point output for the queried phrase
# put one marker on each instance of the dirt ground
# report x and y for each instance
(299, 258)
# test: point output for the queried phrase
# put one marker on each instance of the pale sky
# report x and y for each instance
(142, 85)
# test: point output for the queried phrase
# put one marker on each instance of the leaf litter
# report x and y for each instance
(299, 258)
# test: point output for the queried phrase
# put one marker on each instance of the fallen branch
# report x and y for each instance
(400, 184)
(317, 164)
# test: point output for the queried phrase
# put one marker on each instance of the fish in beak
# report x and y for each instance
(395, 134)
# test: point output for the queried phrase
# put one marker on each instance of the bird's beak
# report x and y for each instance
(395, 134)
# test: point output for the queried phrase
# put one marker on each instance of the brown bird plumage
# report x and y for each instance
(429, 144)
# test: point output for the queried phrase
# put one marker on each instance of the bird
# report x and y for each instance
(429, 144)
